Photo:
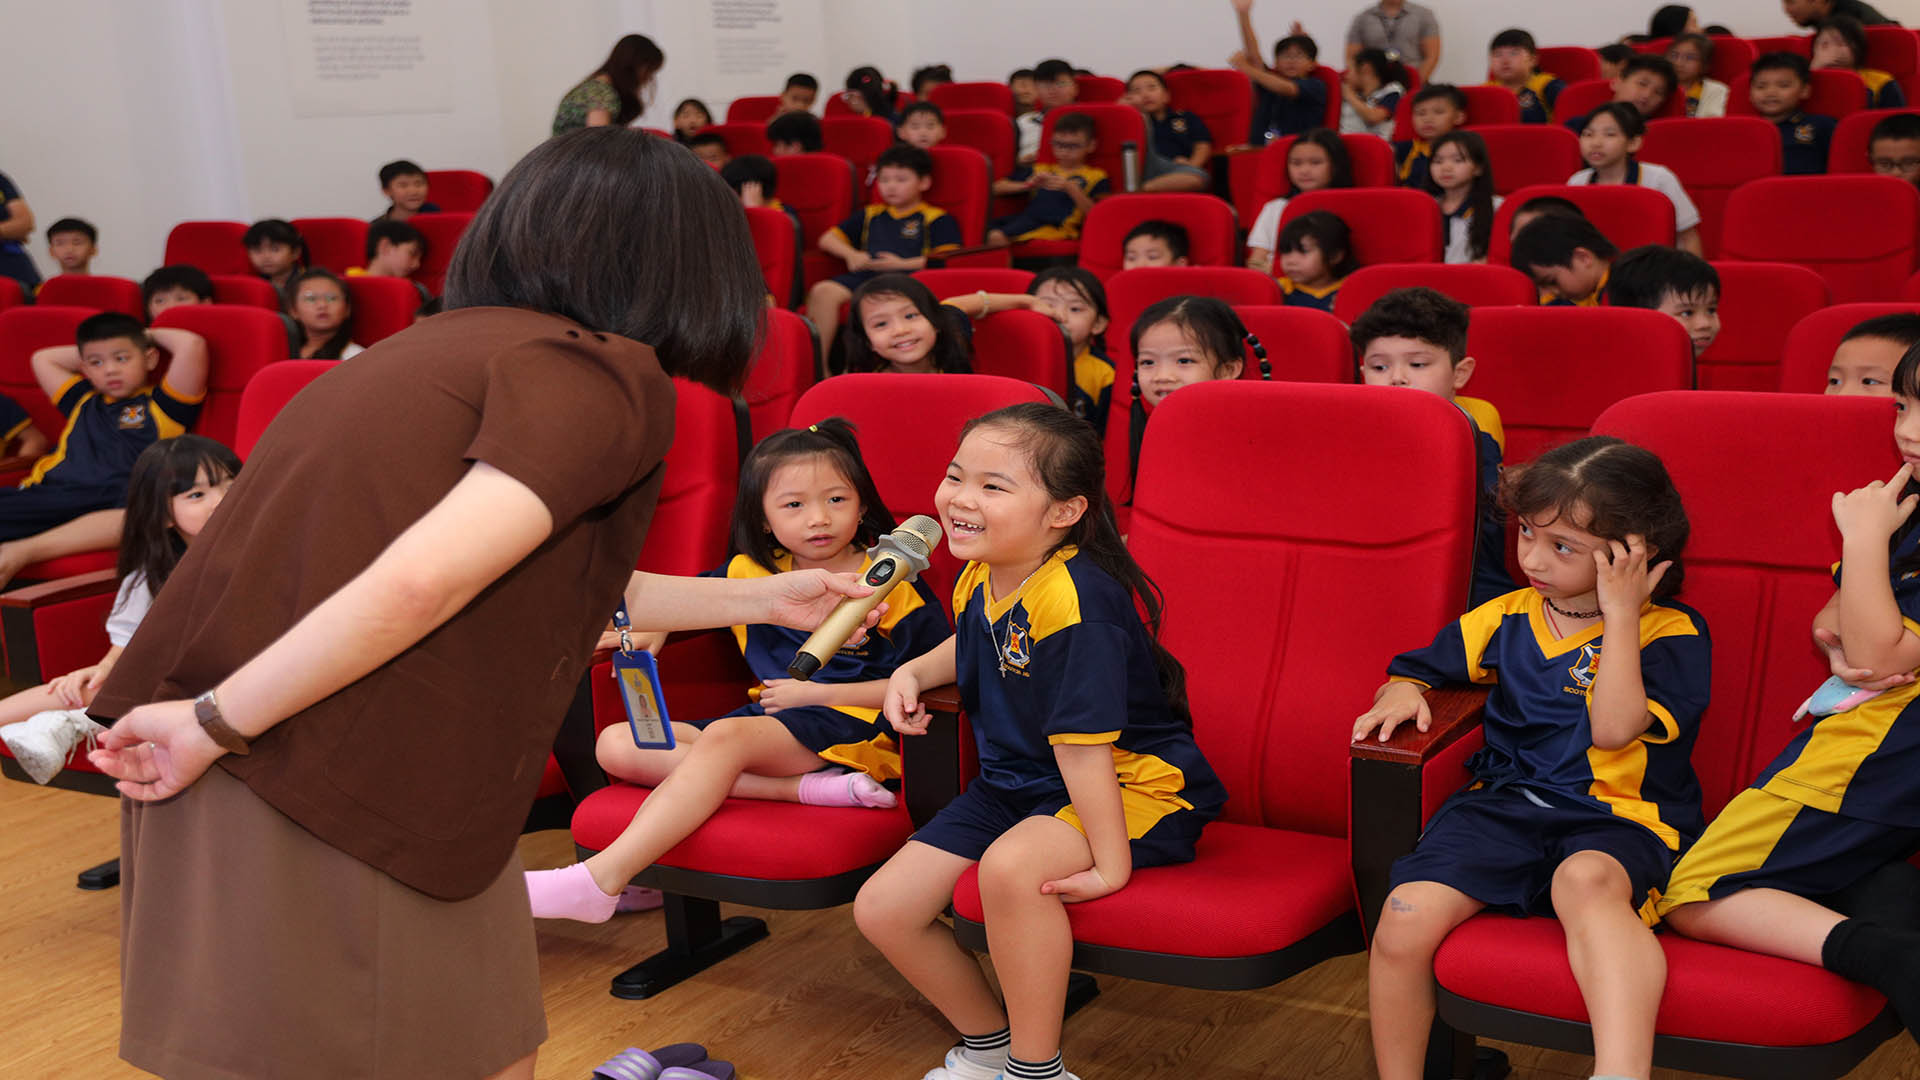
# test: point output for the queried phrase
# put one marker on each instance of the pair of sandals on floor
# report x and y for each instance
(680, 1061)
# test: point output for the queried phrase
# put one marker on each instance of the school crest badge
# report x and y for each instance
(1017, 650)
(1582, 669)
(910, 230)
(133, 415)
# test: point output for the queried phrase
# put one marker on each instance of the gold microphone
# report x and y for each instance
(898, 557)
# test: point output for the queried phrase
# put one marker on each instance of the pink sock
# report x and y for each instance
(833, 787)
(568, 893)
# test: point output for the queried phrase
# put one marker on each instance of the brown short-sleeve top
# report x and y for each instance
(426, 767)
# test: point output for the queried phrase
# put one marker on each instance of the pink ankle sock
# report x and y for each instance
(832, 787)
(568, 893)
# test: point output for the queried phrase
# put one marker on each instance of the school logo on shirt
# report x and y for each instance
(1018, 651)
(1180, 124)
(1582, 669)
(1803, 134)
(910, 230)
(133, 414)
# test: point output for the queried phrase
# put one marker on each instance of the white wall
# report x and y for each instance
(137, 114)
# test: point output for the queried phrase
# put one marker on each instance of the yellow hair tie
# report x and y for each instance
(815, 428)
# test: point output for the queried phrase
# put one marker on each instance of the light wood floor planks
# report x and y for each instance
(813, 1001)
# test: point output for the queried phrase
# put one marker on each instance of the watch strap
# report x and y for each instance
(206, 709)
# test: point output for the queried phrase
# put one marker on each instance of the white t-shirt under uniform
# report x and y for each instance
(1266, 227)
(1661, 179)
(129, 607)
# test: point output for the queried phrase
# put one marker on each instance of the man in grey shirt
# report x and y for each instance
(1399, 28)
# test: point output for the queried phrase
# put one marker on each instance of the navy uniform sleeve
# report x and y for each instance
(1458, 654)
(1677, 671)
(71, 395)
(1021, 173)
(1086, 702)
(1550, 93)
(13, 419)
(1389, 102)
(944, 234)
(8, 193)
(854, 229)
(1197, 131)
(1312, 89)
(922, 629)
(1100, 189)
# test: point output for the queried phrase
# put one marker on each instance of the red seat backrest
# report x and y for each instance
(240, 342)
(776, 245)
(837, 104)
(781, 370)
(1024, 345)
(859, 139)
(1896, 51)
(989, 132)
(23, 330)
(11, 294)
(1131, 292)
(1569, 63)
(1113, 125)
(244, 289)
(458, 191)
(70, 635)
(948, 282)
(1802, 44)
(742, 138)
(1759, 305)
(1271, 699)
(1836, 93)
(1911, 290)
(757, 109)
(1627, 215)
(1222, 97)
(97, 291)
(1098, 89)
(909, 426)
(382, 306)
(1711, 157)
(1486, 105)
(1208, 221)
(1858, 232)
(819, 188)
(1263, 177)
(1807, 352)
(1304, 345)
(1853, 137)
(442, 232)
(334, 243)
(1388, 224)
(213, 246)
(1473, 284)
(1330, 78)
(1551, 370)
(695, 513)
(962, 185)
(1527, 154)
(267, 393)
(1581, 98)
(1732, 57)
(1757, 569)
(955, 96)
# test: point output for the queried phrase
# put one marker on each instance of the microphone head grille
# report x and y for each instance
(918, 534)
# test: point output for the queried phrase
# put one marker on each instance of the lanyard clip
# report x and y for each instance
(625, 626)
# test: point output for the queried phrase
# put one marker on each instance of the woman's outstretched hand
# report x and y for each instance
(803, 599)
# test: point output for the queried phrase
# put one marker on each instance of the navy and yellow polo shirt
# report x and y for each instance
(1413, 162)
(1491, 578)
(1276, 116)
(1549, 298)
(1863, 763)
(1804, 138)
(1538, 732)
(1320, 297)
(1536, 97)
(1175, 134)
(1056, 211)
(13, 419)
(103, 437)
(1066, 659)
(914, 623)
(911, 233)
(1091, 388)
(1882, 91)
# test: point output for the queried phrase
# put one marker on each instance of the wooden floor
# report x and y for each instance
(812, 1001)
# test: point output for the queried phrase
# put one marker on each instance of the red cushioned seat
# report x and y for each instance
(1486, 105)
(1581, 98)
(267, 393)
(213, 246)
(1756, 574)
(1858, 232)
(1569, 63)
(50, 629)
(382, 306)
(781, 370)
(240, 342)
(1098, 89)
(1711, 157)
(837, 105)
(1398, 225)
(1208, 221)
(1759, 305)
(246, 290)
(1330, 78)
(1800, 44)
(1220, 97)
(1024, 345)
(1896, 51)
(1627, 215)
(458, 191)
(1303, 344)
(11, 294)
(819, 189)
(1524, 154)
(755, 838)
(989, 131)
(987, 96)
(962, 186)
(1807, 351)
(1267, 894)
(776, 246)
(1257, 177)
(859, 139)
(97, 291)
(754, 109)
(1836, 93)
(1473, 284)
(742, 138)
(334, 243)
(23, 331)
(1732, 56)
(948, 282)
(1853, 136)
(442, 233)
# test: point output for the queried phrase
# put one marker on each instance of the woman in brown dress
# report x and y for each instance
(375, 639)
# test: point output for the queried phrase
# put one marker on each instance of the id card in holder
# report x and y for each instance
(639, 681)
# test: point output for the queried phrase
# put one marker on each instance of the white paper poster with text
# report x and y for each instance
(369, 57)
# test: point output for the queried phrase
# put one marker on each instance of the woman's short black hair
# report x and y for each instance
(624, 233)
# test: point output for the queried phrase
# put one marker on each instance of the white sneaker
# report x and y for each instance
(961, 1067)
(42, 742)
(1067, 1076)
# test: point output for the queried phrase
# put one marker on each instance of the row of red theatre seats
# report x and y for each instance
(1286, 878)
(381, 306)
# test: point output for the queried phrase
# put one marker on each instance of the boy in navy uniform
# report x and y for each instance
(1645, 82)
(1511, 63)
(1418, 338)
(112, 414)
(1568, 257)
(794, 133)
(405, 186)
(1437, 109)
(1779, 84)
(1060, 191)
(1894, 147)
(1287, 98)
(895, 235)
(73, 243)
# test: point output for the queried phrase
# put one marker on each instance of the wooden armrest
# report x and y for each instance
(1456, 711)
(931, 764)
(943, 699)
(1237, 149)
(60, 590)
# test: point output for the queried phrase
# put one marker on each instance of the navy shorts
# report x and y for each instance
(853, 279)
(33, 510)
(1159, 832)
(835, 736)
(1502, 849)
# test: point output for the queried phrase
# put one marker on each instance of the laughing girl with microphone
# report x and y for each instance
(1088, 766)
(806, 501)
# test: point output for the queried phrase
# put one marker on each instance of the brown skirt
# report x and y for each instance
(250, 948)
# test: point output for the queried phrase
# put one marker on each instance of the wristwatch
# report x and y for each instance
(206, 709)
